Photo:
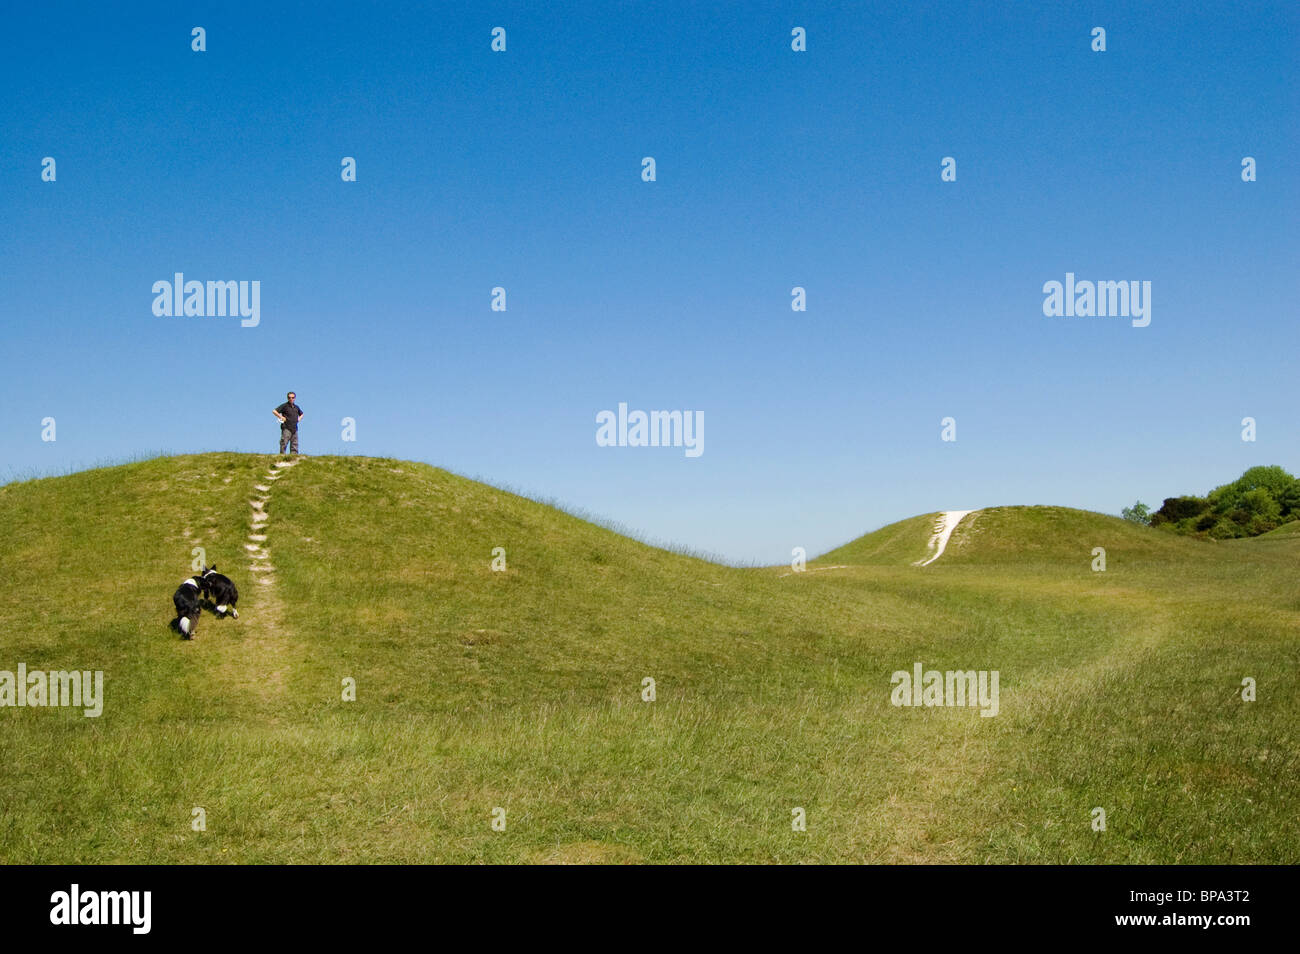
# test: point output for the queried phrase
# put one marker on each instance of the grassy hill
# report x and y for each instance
(1286, 530)
(522, 689)
(1026, 536)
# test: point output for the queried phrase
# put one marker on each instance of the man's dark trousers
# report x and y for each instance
(288, 435)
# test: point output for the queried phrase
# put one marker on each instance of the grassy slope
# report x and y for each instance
(898, 544)
(522, 689)
(1286, 530)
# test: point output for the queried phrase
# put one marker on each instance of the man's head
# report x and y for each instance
(291, 396)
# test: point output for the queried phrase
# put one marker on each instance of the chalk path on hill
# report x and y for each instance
(261, 567)
(264, 632)
(944, 525)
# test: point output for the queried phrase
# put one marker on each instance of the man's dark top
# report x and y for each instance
(291, 414)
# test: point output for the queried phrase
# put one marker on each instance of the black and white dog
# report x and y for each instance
(186, 599)
(221, 590)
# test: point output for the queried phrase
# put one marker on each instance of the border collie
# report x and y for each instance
(186, 599)
(221, 590)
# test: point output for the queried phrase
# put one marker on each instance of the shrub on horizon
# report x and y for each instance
(1138, 513)
(1261, 499)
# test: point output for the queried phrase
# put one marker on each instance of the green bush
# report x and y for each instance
(1260, 500)
(1176, 509)
(1226, 529)
(1138, 513)
(1260, 525)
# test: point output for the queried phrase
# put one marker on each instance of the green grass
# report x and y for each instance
(1286, 530)
(522, 689)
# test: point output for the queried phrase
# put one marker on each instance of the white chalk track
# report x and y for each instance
(944, 525)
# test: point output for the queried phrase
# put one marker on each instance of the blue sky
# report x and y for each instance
(522, 169)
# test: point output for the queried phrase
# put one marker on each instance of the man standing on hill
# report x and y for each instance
(289, 414)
